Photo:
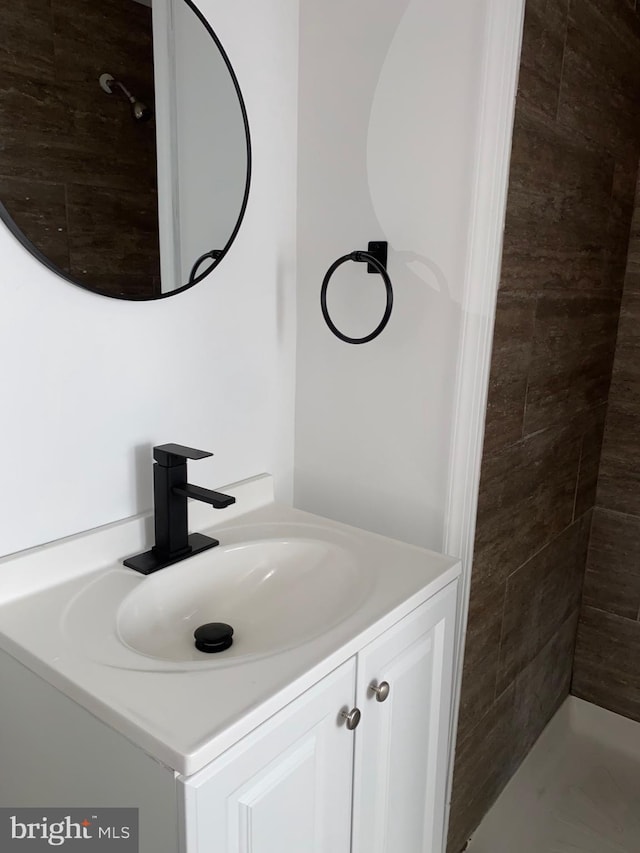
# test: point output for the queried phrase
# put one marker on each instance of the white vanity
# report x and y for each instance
(324, 728)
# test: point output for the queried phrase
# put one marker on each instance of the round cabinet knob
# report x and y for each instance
(381, 690)
(352, 718)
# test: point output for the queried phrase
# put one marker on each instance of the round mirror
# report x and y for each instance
(125, 155)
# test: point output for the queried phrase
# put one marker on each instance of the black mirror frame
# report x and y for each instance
(38, 255)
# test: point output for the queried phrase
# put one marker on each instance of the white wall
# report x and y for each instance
(389, 96)
(88, 384)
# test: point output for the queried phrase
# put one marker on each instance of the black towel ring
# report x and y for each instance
(360, 257)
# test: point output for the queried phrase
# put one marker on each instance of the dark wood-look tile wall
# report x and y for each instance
(570, 204)
(608, 650)
(632, 278)
(488, 755)
(612, 580)
(541, 595)
(607, 664)
(74, 139)
(27, 22)
(619, 481)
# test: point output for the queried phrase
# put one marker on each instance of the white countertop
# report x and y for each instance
(186, 718)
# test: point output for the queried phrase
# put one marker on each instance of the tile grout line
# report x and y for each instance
(575, 491)
(502, 620)
(559, 427)
(523, 434)
(619, 512)
(609, 613)
(549, 542)
(564, 54)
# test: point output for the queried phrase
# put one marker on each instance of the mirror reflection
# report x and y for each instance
(124, 146)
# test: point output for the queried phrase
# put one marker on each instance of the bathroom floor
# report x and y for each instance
(578, 791)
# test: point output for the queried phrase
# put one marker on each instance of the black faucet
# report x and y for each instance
(170, 493)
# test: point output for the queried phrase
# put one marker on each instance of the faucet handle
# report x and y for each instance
(170, 455)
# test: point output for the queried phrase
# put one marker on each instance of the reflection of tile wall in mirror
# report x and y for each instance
(75, 139)
(46, 219)
(173, 186)
(113, 236)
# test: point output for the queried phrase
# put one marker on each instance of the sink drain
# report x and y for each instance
(213, 637)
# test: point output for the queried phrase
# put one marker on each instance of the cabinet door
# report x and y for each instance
(402, 741)
(286, 787)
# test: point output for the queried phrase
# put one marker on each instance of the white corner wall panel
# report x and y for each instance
(389, 101)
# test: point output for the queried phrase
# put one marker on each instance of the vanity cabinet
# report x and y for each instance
(285, 788)
(401, 745)
(338, 743)
(303, 782)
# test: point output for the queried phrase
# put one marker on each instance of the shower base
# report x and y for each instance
(578, 791)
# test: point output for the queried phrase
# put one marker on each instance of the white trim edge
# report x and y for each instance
(164, 62)
(503, 41)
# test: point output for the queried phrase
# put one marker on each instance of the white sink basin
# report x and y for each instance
(277, 592)
(274, 593)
